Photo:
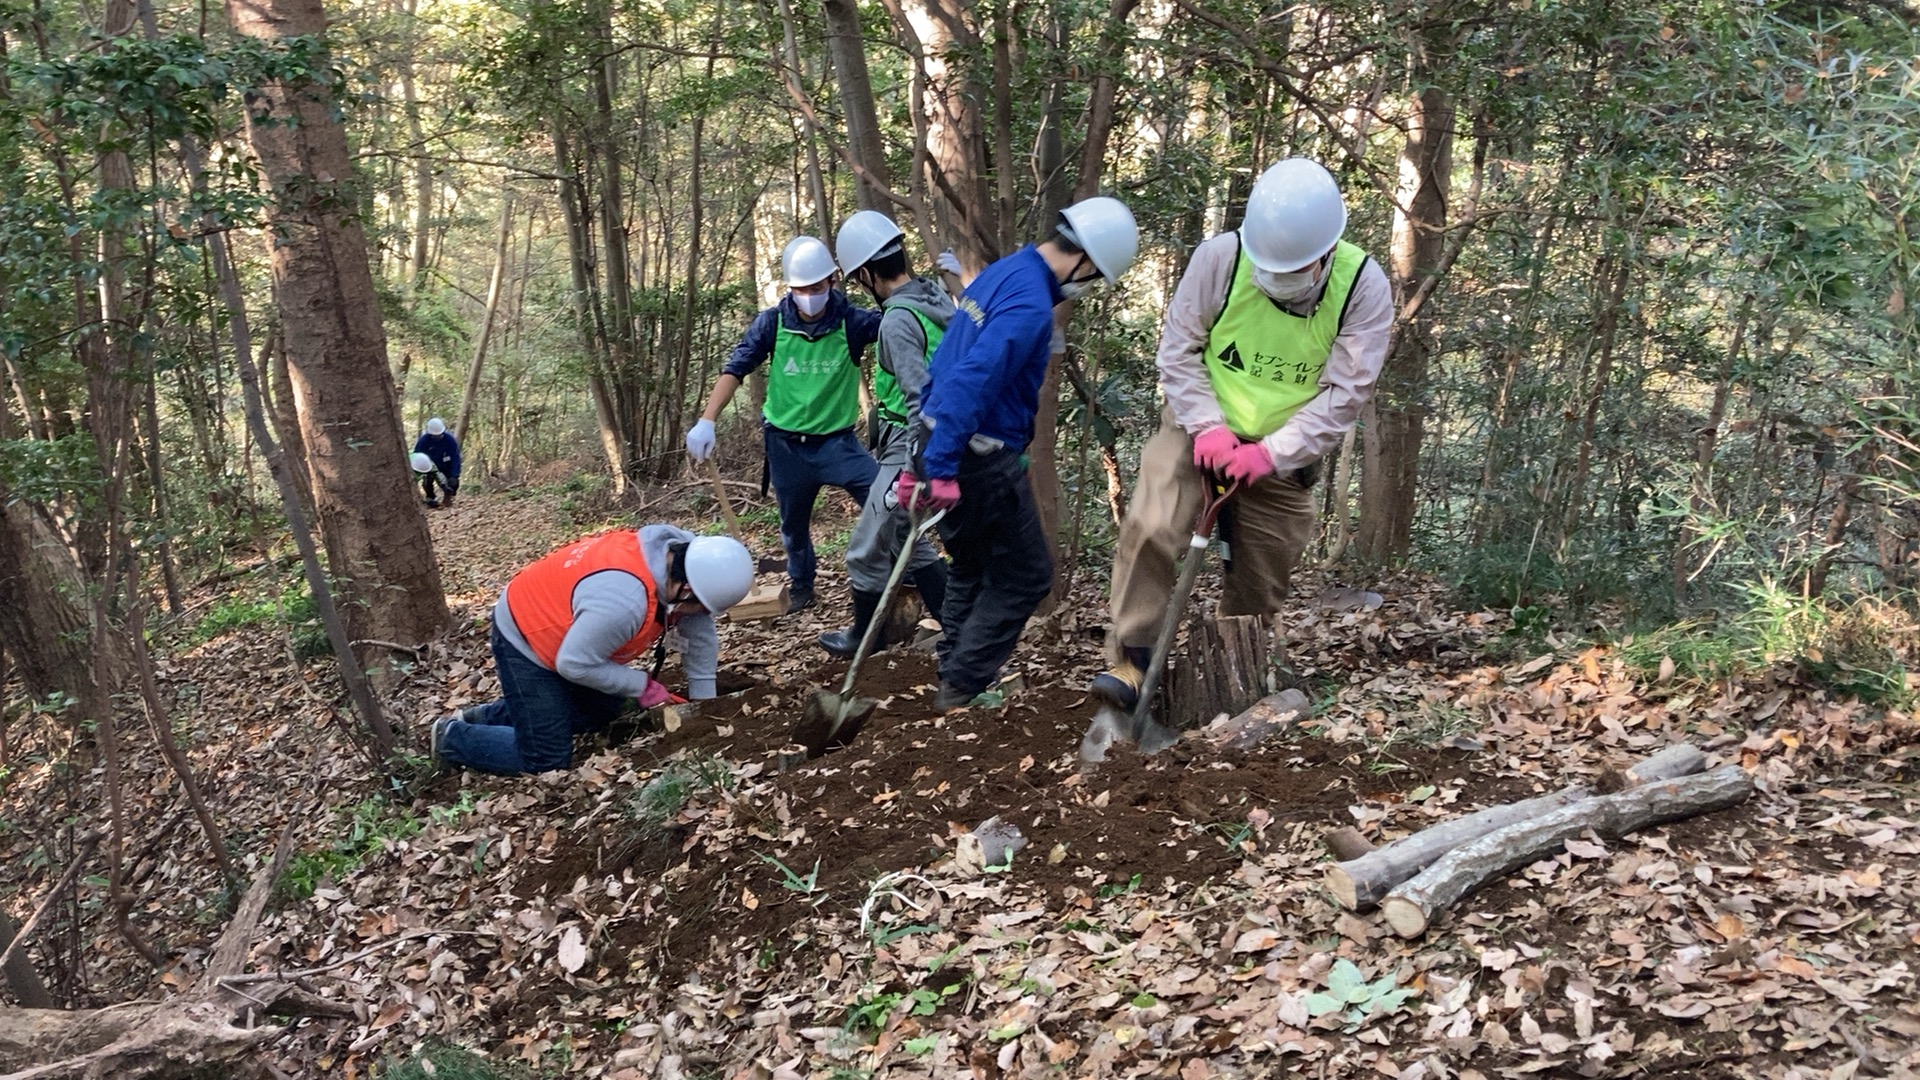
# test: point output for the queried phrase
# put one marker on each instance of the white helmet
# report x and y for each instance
(719, 569)
(805, 261)
(1104, 229)
(422, 463)
(436, 426)
(1294, 216)
(865, 237)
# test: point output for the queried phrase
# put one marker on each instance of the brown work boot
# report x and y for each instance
(1119, 686)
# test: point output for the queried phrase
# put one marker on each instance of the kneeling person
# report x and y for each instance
(567, 626)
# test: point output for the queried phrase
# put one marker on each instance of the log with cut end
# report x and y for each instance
(1358, 884)
(1412, 907)
(1258, 723)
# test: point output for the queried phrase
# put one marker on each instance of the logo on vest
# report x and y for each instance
(793, 366)
(1269, 366)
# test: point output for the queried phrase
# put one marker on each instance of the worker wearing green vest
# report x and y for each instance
(811, 343)
(1272, 344)
(914, 313)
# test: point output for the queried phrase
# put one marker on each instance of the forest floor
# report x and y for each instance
(696, 904)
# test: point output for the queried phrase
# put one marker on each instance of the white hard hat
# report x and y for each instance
(1104, 229)
(805, 261)
(422, 463)
(436, 426)
(719, 570)
(864, 237)
(1294, 216)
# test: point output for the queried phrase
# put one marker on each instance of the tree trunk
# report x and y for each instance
(42, 626)
(420, 230)
(337, 348)
(1358, 884)
(1412, 907)
(948, 36)
(848, 49)
(1707, 438)
(1227, 663)
(495, 286)
(1396, 416)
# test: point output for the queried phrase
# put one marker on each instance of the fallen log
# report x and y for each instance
(1412, 906)
(1358, 884)
(1258, 722)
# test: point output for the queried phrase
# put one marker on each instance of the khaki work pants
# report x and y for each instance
(1266, 526)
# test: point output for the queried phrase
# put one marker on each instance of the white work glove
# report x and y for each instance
(700, 440)
(948, 261)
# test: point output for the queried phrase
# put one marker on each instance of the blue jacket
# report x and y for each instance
(443, 449)
(863, 329)
(986, 374)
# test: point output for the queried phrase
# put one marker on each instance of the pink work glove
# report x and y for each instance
(1249, 464)
(1213, 449)
(934, 495)
(656, 694)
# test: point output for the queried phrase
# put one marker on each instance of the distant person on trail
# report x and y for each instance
(439, 445)
(566, 627)
(811, 343)
(976, 419)
(914, 313)
(1272, 344)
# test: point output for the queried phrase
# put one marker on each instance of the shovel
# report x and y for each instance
(832, 719)
(1140, 727)
(762, 601)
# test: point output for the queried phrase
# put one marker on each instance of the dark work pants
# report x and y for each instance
(799, 466)
(531, 728)
(446, 483)
(1002, 569)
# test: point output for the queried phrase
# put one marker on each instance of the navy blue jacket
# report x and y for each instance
(863, 329)
(443, 449)
(986, 374)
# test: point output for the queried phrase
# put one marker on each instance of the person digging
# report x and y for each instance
(976, 419)
(567, 626)
(810, 343)
(914, 313)
(1272, 345)
(441, 448)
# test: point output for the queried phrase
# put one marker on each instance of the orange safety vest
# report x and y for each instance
(540, 597)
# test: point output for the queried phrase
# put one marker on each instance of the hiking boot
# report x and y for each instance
(432, 504)
(840, 644)
(1120, 685)
(950, 698)
(437, 735)
(800, 600)
(931, 580)
(448, 501)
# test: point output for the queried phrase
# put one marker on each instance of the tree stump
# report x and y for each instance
(1225, 665)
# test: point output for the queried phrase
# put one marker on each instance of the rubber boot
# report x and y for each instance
(842, 643)
(1120, 686)
(931, 580)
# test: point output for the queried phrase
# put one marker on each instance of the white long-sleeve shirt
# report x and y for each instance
(1352, 368)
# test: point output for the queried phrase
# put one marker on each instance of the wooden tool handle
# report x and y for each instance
(726, 505)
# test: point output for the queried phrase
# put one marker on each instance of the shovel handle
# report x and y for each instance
(726, 504)
(918, 522)
(1219, 490)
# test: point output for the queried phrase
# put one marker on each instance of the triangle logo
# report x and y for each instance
(1230, 357)
(793, 366)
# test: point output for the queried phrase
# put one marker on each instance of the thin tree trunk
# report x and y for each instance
(810, 142)
(1708, 437)
(422, 166)
(156, 477)
(495, 286)
(847, 47)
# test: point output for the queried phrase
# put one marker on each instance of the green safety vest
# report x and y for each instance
(812, 386)
(1263, 360)
(886, 388)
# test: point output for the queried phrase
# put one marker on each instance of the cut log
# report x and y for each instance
(1347, 843)
(1358, 884)
(1226, 664)
(1255, 725)
(1412, 907)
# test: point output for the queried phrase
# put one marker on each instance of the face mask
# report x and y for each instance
(1074, 290)
(811, 304)
(1290, 286)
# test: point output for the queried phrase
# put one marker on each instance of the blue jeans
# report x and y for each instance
(799, 466)
(531, 728)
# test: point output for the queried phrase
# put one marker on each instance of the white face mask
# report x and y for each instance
(811, 304)
(1075, 290)
(1290, 286)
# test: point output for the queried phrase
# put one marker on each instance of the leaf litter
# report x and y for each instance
(786, 918)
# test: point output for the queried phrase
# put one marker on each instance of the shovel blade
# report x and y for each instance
(830, 721)
(1110, 726)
